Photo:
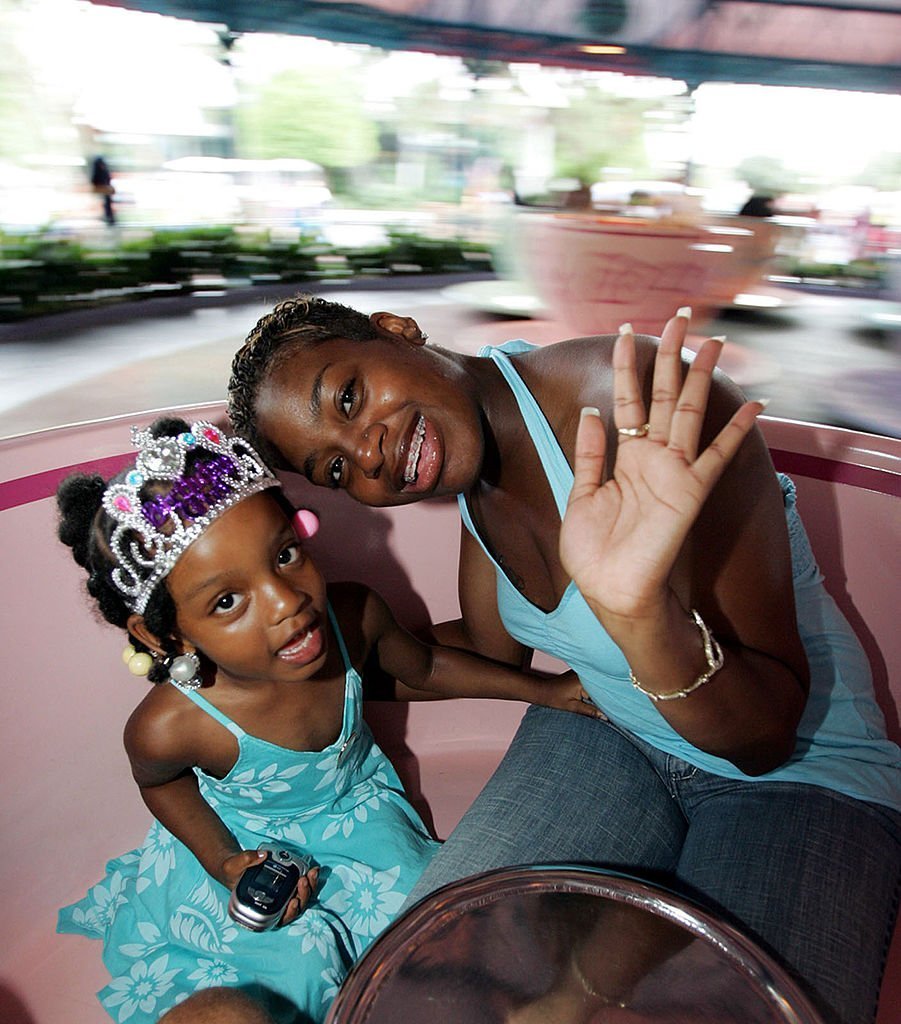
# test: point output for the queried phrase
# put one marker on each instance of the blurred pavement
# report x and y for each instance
(814, 356)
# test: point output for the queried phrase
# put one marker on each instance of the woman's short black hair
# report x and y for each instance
(306, 320)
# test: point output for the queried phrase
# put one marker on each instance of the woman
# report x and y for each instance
(744, 760)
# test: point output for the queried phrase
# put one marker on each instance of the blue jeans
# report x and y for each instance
(814, 877)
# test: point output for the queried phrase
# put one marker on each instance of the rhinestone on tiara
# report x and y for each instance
(152, 535)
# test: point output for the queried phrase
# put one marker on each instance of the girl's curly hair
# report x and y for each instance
(86, 528)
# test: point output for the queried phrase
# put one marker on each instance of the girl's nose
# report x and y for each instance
(286, 598)
(368, 454)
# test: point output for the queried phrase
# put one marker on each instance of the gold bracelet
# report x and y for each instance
(712, 652)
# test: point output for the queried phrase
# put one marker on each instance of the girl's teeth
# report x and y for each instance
(415, 449)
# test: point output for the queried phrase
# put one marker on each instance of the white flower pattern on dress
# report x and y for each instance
(203, 923)
(211, 973)
(153, 941)
(369, 901)
(332, 976)
(253, 784)
(103, 899)
(141, 989)
(157, 856)
(367, 797)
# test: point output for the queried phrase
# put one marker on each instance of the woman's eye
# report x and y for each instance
(347, 397)
(290, 554)
(335, 472)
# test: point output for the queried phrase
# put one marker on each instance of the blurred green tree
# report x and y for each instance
(311, 117)
(598, 130)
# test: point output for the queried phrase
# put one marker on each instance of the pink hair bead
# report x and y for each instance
(306, 523)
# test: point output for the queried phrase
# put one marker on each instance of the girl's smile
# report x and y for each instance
(305, 646)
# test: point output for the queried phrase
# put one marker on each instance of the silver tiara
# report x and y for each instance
(153, 534)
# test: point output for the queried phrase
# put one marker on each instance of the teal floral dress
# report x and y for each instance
(164, 920)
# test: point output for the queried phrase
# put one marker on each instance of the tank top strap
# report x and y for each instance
(211, 710)
(556, 466)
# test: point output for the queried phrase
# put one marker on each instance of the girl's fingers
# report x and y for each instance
(628, 406)
(591, 451)
(668, 375)
(691, 407)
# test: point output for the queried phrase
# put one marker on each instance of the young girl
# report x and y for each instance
(255, 733)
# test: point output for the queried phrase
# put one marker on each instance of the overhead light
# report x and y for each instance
(597, 48)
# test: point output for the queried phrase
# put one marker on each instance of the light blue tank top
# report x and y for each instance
(842, 743)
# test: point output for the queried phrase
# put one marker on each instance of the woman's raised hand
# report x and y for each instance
(621, 536)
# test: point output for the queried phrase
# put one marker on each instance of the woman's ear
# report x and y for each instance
(402, 328)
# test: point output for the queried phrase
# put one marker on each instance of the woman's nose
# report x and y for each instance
(368, 455)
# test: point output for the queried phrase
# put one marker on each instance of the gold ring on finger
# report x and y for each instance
(634, 431)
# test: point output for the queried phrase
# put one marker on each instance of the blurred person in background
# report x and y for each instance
(102, 183)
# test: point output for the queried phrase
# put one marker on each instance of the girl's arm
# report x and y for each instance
(429, 670)
(162, 768)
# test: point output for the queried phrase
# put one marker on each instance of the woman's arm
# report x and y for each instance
(429, 670)
(644, 549)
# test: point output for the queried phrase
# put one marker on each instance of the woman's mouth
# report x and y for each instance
(412, 466)
(303, 647)
(422, 466)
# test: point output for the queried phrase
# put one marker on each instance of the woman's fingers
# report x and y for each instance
(709, 465)
(591, 451)
(668, 375)
(628, 405)
(688, 419)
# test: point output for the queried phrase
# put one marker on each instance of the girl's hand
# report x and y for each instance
(306, 890)
(565, 692)
(621, 536)
(235, 866)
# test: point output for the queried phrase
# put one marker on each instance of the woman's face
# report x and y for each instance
(250, 599)
(387, 420)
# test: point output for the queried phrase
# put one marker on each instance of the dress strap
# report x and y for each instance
(211, 710)
(341, 646)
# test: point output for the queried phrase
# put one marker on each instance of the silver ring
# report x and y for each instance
(634, 431)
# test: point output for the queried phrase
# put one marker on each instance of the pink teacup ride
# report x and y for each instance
(69, 801)
(593, 272)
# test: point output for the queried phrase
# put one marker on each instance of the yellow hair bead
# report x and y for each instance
(140, 664)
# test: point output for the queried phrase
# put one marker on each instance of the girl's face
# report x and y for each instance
(250, 599)
(387, 420)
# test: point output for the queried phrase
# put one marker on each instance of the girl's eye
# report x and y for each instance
(290, 554)
(335, 472)
(227, 603)
(347, 397)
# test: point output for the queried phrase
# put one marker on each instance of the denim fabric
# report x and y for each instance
(811, 875)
